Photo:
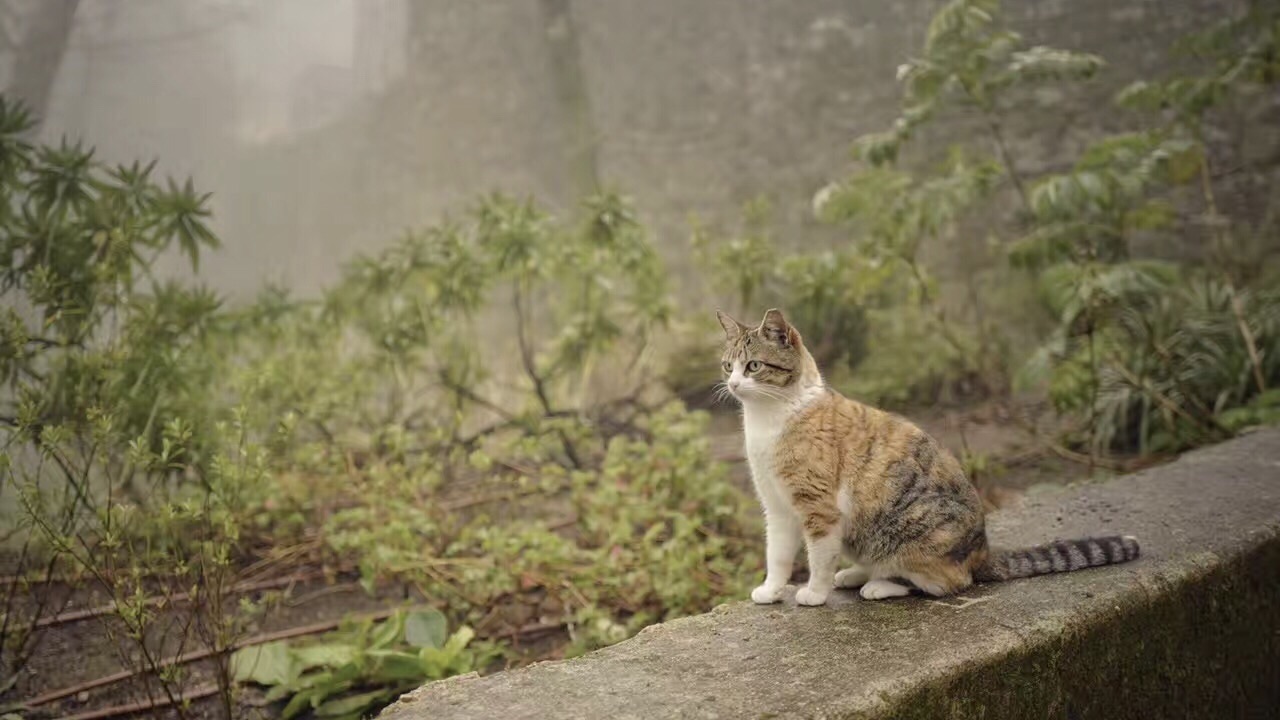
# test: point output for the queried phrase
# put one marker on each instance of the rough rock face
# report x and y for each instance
(1192, 629)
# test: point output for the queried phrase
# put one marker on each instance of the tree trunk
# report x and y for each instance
(570, 86)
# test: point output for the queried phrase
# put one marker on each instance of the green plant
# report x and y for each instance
(743, 264)
(1262, 410)
(1151, 353)
(891, 214)
(1115, 191)
(659, 534)
(828, 294)
(971, 62)
(186, 435)
(1168, 368)
(361, 666)
(106, 397)
(971, 67)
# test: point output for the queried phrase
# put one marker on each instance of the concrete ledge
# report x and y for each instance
(1190, 630)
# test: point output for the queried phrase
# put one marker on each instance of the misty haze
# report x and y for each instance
(347, 346)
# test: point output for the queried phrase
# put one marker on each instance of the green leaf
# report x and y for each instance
(387, 633)
(267, 664)
(1043, 63)
(427, 628)
(438, 662)
(279, 692)
(298, 703)
(351, 704)
(1142, 95)
(395, 665)
(460, 639)
(323, 655)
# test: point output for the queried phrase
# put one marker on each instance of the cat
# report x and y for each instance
(848, 479)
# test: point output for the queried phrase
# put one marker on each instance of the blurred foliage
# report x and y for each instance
(890, 215)
(360, 667)
(971, 62)
(827, 294)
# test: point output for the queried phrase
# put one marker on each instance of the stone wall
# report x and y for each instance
(1191, 629)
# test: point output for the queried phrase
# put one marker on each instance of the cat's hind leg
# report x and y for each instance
(880, 589)
(854, 576)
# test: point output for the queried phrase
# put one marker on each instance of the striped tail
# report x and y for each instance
(1058, 556)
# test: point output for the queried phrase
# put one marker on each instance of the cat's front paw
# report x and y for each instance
(766, 595)
(805, 596)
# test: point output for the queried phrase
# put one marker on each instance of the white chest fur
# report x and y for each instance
(762, 426)
(763, 423)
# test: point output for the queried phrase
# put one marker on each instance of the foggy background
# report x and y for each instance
(326, 127)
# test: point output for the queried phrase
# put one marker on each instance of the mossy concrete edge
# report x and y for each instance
(1205, 644)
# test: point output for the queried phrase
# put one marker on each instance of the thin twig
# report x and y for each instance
(195, 655)
(530, 368)
(109, 608)
(1237, 308)
(1205, 424)
(562, 524)
(116, 710)
(532, 629)
(1007, 158)
(997, 135)
(469, 394)
(472, 501)
(322, 592)
(1100, 461)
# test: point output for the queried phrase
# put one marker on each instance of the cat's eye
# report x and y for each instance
(728, 368)
(754, 366)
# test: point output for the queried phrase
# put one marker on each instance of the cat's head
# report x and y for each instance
(765, 363)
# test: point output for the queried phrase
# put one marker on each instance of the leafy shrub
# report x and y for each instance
(122, 467)
(169, 437)
(826, 294)
(384, 399)
(891, 214)
(1169, 369)
(970, 69)
(1157, 357)
(361, 666)
(659, 533)
(971, 64)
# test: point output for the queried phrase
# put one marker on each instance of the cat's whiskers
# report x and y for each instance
(770, 393)
(722, 392)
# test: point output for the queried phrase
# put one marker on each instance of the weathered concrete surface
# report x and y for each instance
(1190, 630)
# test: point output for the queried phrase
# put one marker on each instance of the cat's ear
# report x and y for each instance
(732, 328)
(775, 328)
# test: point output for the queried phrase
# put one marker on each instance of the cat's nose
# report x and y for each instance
(733, 384)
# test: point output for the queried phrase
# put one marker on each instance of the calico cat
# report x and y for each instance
(852, 480)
